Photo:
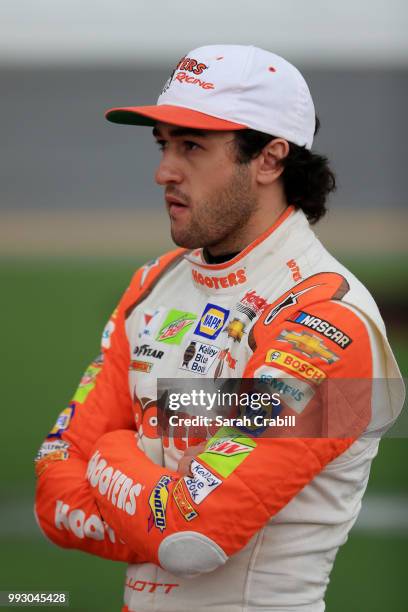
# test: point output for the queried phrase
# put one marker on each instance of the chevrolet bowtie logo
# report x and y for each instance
(309, 345)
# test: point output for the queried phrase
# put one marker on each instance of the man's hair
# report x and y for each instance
(307, 177)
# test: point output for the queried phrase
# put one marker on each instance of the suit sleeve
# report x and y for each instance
(190, 525)
(65, 507)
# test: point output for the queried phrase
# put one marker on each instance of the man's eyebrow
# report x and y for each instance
(181, 131)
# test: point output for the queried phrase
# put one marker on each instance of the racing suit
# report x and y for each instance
(258, 522)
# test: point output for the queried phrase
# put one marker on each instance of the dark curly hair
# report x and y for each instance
(307, 177)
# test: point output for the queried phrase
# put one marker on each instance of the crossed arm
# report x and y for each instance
(100, 493)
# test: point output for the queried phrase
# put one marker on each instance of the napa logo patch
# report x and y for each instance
(211, 321)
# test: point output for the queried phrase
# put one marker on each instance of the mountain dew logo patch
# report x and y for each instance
(228, 447)
(175, 326)
(87, 383)
(227, 453)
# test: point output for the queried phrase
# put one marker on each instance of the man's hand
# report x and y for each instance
(185, 462)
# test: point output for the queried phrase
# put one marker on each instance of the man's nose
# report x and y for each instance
(168, 172)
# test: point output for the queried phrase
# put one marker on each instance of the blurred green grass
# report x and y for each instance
(384, 275)
(92, 583)
(369, 575)
(53, 312)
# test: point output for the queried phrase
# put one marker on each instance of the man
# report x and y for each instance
(243, 520)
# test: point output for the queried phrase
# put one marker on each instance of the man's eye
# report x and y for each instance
(161, 144)
(191, 146)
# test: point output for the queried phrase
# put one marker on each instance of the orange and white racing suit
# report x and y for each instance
(257, 523)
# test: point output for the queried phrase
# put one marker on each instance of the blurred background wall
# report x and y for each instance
(63, 64)
(79, 211)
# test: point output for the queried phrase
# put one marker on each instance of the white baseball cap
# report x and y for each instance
(231, 87)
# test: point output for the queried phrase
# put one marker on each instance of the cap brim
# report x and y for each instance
(174, 115)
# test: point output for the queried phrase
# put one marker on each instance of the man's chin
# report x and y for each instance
(184, 242)
(184, 239)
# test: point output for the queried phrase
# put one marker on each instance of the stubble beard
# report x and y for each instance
(221, 219)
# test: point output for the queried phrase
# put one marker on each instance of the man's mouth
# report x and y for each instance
(175, 205)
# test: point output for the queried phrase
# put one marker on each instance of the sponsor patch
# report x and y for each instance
(62, 422)
(220, 282)
(295, 364)
(226, 454)
(235, 329)
(224, 357)
(120, 490)
(252, 305)
(211, 321)
(140, 366)
(150, 322)
(294, 268)
(293, 392)
(147, 351)
(308, 344)
(182, 502)
(57, 450)
(150, 587)
(47, 448)
(107, 333)
(289, 300)
(87, 382)
(322, 327)
(158, 504)
(175, 326)
(199, 357)
(202, 484)
(81, 525)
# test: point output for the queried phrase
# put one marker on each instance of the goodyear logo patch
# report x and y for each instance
(158, 503)
(211, 321)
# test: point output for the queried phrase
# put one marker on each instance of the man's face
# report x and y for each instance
(210, 198)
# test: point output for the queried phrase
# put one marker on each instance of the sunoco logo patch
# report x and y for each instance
(211, 321)
(158, 503)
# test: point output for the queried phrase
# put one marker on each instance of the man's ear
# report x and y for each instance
(269, 164)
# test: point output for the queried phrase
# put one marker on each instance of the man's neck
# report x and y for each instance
(259, 223)
(217, 259)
